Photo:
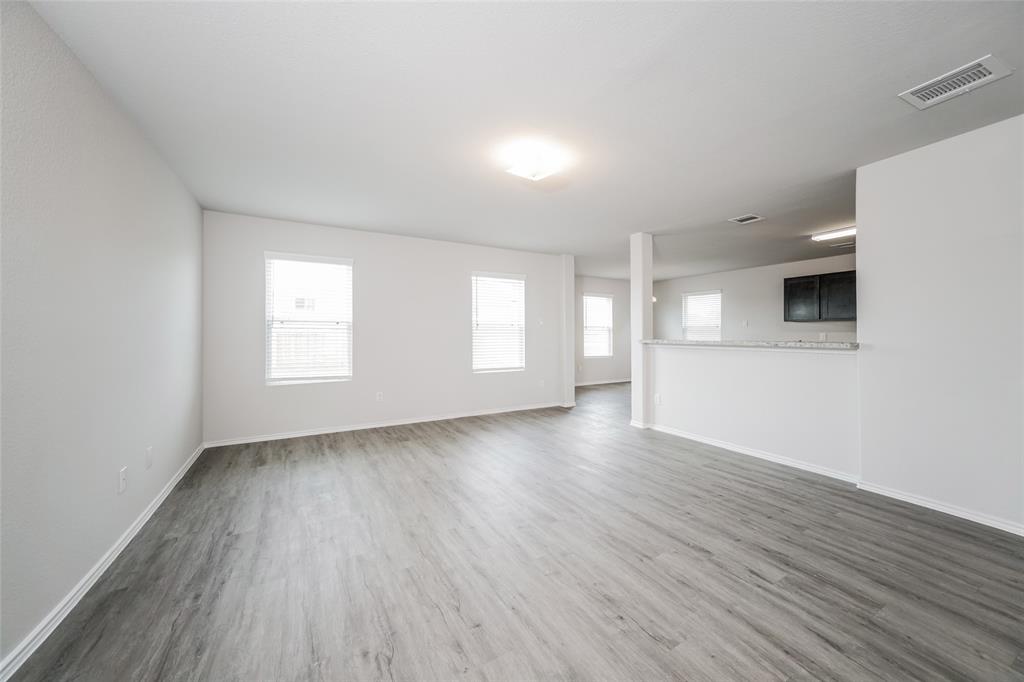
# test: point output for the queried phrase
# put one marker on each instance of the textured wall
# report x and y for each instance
(101, 322)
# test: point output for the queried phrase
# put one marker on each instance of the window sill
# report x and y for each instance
(597, 357)
(499, 371)
(293, 382)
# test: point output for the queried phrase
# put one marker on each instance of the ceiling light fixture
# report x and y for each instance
(533, 158)
(835, 234)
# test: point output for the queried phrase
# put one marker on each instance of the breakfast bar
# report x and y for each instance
(793, 402)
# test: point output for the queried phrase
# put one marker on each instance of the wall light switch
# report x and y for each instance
(122, 480)
(149, 457)
(657, 399)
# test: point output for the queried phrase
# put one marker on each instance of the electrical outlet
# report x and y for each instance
(149, 457)
(542, 383)
(380, 396)
(122, 480)
(657, 399)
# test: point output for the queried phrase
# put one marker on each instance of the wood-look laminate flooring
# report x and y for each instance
(550, 544)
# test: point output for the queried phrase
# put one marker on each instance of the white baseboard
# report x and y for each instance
(760, 454)
(604, 381)
(40, 632)
(638, 425)
(374, 425)
(952, 510)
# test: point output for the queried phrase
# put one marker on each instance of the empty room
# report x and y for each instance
(416, 341)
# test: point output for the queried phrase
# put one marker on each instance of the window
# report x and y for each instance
(702, 316)
(309, 318)
(499, 322)
(597, 326)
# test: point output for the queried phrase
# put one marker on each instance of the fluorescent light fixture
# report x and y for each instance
(835, 234)
(533, 158)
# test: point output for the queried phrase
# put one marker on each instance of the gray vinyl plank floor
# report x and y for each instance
(550, 544)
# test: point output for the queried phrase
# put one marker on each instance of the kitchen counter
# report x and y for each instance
(809, 345)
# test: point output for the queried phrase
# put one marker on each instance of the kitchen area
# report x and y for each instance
(761, 361)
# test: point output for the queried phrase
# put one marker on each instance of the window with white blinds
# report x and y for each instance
(597, 326)
(499, 322)
(702, 316)
(309, 318)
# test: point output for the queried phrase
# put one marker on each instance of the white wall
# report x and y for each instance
(101, 299)
(754, 296)
(615, 368)
(941, 303)
(798, 407)
(412, 332)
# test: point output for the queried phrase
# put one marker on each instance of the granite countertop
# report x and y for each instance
(813, 345)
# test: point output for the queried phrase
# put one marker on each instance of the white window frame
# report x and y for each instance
(611, 328)
(682, 306)
(268, 322)
(472, 317)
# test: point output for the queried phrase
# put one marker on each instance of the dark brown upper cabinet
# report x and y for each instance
(801, 296)
(839, 296)
(832, 296)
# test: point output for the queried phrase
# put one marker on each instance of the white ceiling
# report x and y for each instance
(383, 116)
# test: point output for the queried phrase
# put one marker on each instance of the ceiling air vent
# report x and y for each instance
(744, 219)
(956, 82)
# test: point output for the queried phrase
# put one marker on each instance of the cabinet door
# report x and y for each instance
(800, 298)
(839, 296)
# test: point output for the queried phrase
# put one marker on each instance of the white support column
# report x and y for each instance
(568, 331)
(641, 319)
